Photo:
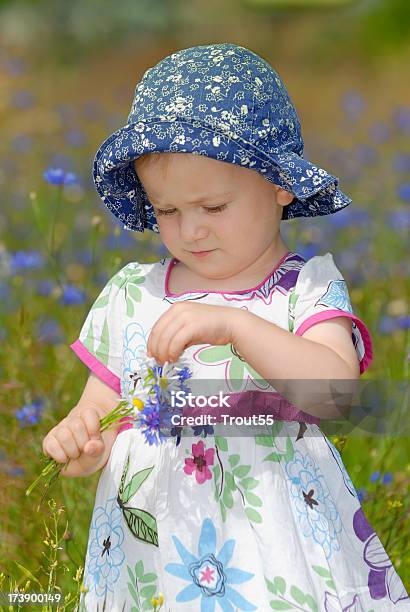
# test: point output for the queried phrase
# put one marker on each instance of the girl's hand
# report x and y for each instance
(187, 323)
(77, 438)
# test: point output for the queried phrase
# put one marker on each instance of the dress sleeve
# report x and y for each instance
(321, 293)
(100, 342)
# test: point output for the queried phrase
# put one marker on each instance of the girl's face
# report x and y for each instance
(202, 204)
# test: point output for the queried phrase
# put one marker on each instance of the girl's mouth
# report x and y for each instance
(201, 253)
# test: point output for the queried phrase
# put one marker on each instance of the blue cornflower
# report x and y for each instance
(387, 477)
(58, 176)
(403, 191)
(150, 422)
(30, 414)
(72, 295)
(361, 494)
(403, 322)
(375, 476)
(26, 260)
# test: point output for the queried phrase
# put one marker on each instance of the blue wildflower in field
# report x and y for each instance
(374, 477)
(361, 494)
(58, 176)
(389, 325)
(387, 478)
(347, 217)
(403, 192)
(30, 414)
(72, 295)
(26, 260)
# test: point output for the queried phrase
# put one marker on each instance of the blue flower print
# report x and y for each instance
(313, 504)
(337, 296)
(208, 575)
(105, 555)
(134, 341)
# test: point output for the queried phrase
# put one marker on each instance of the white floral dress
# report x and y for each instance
(219, 522)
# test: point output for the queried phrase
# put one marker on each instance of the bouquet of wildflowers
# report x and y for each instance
(145, 404)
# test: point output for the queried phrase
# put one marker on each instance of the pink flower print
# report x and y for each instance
(200, 462)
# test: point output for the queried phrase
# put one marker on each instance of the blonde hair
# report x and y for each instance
(152, 158)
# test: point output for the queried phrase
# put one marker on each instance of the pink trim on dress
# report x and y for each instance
(96, 366)
(333, 313)
(173, 261)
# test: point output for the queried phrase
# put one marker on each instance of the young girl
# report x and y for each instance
(218, 518)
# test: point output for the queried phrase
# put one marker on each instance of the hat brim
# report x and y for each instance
(316, 191)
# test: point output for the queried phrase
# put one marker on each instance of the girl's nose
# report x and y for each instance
(192, 228)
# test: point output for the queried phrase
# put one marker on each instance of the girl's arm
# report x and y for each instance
(325, 351)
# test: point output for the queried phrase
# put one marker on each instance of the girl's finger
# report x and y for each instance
(179, 343)
(52, 448)
(162, 350)
(67, 441)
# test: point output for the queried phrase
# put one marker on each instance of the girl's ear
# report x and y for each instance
(283, 197)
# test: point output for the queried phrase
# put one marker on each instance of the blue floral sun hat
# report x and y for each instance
(223, 101)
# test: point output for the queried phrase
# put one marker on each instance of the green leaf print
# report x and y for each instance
(241, 471)
(221, 443)
(322, 571)
(130, 307)
(89, 339)
(103, 349)
(134, 293)
(233, 460)
(135, 483)
(291, 309)
(249, 483)
(252, 499)
(238, 369)
(227, 498)
(101, 302)
(230, 481)
(139, 569)
(142, 524)
(142, 595)
(283, 602)
(253, 515)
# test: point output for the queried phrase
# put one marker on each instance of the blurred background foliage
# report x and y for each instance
(67, 76)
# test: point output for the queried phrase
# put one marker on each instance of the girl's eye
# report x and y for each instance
(171, 211)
